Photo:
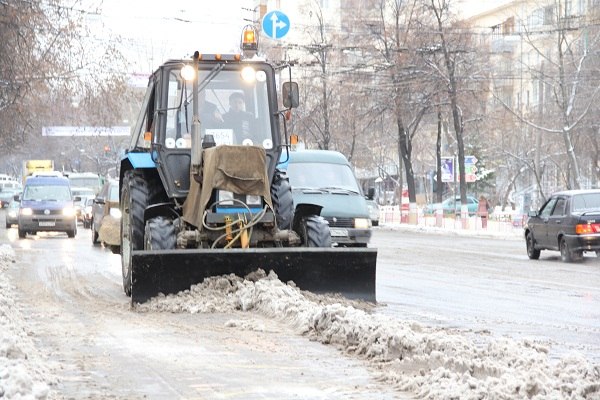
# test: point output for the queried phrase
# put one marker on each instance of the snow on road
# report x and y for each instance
(23, 372)
(432, 363)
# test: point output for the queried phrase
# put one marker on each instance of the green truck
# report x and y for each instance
(325, 178)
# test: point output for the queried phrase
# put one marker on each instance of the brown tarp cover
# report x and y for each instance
(238, 169)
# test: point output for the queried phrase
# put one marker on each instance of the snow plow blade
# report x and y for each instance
(348, 271)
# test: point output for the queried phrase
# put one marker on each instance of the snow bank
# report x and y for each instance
(433, 363)
(21, 376)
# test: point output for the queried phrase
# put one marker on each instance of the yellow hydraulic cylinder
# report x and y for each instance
(244, 239)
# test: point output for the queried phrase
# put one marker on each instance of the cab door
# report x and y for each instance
(540, 232)
(556, 221)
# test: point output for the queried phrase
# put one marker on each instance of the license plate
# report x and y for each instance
(338, 232)
(47, 223)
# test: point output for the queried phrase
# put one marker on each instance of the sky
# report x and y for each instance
(154, 31)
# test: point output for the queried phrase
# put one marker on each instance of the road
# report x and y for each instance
(73, 300)
(488, 284)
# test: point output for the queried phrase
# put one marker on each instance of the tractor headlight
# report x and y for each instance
(26, 211)
(248, 74)
(362, 223)
(115, 213)
(188, 73)
(225, 198)
(252, 200)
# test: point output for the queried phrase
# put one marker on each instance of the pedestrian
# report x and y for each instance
(483, 210)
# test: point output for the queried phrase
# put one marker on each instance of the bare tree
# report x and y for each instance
(568, 48)
(47, 64)
(452, 51)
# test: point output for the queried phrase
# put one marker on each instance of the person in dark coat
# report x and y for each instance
(238, 118)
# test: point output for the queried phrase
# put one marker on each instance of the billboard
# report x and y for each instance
(85, 131)
(447, 169)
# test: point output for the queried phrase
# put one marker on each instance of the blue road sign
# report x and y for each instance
(275, 24)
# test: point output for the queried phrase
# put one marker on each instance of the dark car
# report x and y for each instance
(568, 222)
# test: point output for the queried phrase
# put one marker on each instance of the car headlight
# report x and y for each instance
(12, 214)
(69, 212)
(115, 213)
(26, 211)
(362, 223)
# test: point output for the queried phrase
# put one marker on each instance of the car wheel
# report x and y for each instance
(566, 254)
(532, 252)
(22, 233)
(8, 225)
(94, 236)
(72, 233)
(375, 223)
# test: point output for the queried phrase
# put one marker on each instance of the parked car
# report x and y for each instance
(12, 214)
(6, 195)
(106, 216)
(373, 212)
(568, 222)
(452, 205)
(80, 195)
(86, 212)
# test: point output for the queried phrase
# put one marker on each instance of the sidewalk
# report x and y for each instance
(390, 217)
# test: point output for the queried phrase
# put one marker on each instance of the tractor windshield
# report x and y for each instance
(232, 109)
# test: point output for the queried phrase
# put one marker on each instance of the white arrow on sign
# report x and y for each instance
(277, 24)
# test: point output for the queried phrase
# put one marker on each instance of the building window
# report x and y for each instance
(536, 18)
(549, 15)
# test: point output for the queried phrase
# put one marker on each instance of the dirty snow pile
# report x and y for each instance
(432, 363)
(21, 375)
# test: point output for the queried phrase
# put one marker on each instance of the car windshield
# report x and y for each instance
(322, 176)
(113, 193)
(47, 192)
(586, 202)
(82, 192)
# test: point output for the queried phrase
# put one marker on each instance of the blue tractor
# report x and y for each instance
(201, 193)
